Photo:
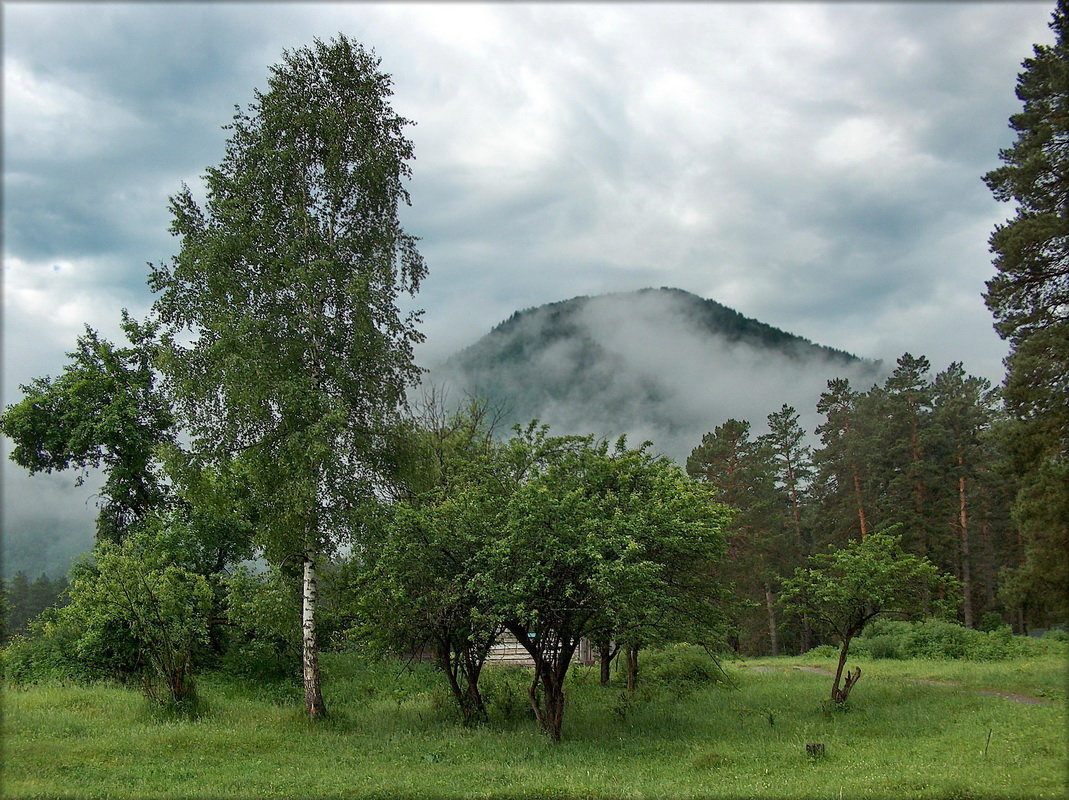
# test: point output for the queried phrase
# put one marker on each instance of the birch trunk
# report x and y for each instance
(313, 695)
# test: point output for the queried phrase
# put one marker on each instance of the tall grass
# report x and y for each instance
(392, 734)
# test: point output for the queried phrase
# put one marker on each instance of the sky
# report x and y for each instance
(816, 166)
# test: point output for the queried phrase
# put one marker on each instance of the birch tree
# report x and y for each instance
(284, 344)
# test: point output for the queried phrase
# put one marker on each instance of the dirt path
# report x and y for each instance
(1027, 699)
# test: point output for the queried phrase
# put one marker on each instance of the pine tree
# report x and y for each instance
(905, 408)
(1029, 297)
(792, 468)
(841, 460)
(742, 476)
(964, 407)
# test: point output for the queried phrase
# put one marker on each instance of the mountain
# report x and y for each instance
(658, 364)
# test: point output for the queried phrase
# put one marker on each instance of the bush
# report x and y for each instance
(885, 646)
(823, 651)
(62, 646)
(680, 665)
(263, 641)
(504, 690)
(936, 639)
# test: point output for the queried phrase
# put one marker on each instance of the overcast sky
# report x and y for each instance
(813, 165)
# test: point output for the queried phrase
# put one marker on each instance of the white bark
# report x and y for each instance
(313, 696)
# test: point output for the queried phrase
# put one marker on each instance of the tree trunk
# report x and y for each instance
(632, 667)
(807, 633)
(553, 690)
(966, 567)
(546, 692)
(313, 695)
(861, 518)
(839, 695)
(770, 604)
(606, 653)
(468, 698)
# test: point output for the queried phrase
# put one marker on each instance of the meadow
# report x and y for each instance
(391, 734)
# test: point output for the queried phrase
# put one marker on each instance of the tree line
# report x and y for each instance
(21, 600)
(920, 455)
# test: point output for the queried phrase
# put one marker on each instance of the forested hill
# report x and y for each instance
(660, 364)
(563, 319)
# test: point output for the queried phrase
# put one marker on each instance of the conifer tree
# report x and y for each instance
(740, 471)
(841, 459)
(1029, 297)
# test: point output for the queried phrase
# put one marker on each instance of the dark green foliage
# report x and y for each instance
(681, 665)
(105, 411)
(23, 600)
(846, 588)
(63, 643)
(289, 277)
(939, 639)
(413, 586)
(504, 690)
(1030, 292)
(148, 588)
(600, 538)
(54, 650)
(741, 474)
(287, 281)
(1029, 297)
(263, 633)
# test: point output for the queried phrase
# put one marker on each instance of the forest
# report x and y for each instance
(273, 503)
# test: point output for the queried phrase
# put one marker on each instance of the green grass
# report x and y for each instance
(391, 735)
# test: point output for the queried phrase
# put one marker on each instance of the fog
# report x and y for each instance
(641, 364)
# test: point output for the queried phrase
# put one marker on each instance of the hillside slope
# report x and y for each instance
(659, 364)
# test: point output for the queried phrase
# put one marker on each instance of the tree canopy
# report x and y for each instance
(104, 411)
(284, 344)
(847, 587)
(1029, 297)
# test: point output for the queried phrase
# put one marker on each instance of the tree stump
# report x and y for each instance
(815, 750)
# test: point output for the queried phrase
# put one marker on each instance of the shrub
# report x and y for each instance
(937, 639)
(885, 645)
(680, 665)
(263, 610)
(504, 691)
(62, 645)
(823, 651)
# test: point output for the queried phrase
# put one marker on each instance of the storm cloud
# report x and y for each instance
(815, 166)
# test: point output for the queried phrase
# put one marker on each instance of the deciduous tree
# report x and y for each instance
(104, 411)
(848, 587)
(285, 343)
(598, 536)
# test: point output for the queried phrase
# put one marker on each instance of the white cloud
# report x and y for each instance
(48, 120)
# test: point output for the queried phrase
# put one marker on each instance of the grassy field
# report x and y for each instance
(391, 736)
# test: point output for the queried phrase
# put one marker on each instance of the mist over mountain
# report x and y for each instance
(658, 364)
